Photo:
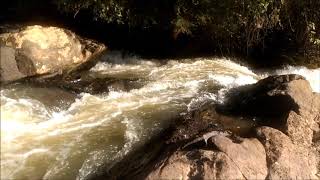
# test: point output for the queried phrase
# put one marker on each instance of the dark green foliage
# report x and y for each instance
(142, 13)
(107, 10)
(283, 27)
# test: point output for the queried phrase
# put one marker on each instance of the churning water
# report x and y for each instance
(52, 134)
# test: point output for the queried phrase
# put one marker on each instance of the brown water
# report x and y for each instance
(51, 134)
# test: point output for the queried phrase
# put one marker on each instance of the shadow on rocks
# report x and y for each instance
(266, 102)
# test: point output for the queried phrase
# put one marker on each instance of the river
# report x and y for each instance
(48, 133)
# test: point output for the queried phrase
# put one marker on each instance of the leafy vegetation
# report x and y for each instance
(270, 28)
(236, 25)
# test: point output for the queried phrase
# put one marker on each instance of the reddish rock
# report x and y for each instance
(244, 160)
(287, 160)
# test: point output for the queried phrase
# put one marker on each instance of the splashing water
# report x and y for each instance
(95, 131)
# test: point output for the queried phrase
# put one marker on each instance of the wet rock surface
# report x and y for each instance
(203, 147)
(52, 98)
(37, 50)
(85, 82)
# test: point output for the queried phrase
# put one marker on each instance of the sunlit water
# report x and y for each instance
(65, 136)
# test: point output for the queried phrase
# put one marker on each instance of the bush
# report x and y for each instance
(240, 26)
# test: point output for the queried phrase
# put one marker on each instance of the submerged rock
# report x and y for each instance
(98, 85)
(52, 98)
(37, 50)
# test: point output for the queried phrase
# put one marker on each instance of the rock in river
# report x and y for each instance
(37, 50)
(285, 102)
(285, 145)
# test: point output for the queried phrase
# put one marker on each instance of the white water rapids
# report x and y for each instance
(41, 139)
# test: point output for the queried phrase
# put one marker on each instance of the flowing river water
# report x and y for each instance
(48, 133)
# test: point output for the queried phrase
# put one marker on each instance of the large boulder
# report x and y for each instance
(231, 160)
(285, 102)
(288, 104)
(206, 143)
(287, 160)
(10, 67)
(267, 98)
(37, 50)
(248, 155)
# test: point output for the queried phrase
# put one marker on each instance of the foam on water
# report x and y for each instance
(98, 130)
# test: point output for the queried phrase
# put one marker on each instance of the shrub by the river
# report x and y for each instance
(283, 27)
(261, 28)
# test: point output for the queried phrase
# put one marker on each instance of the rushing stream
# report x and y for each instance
(47, 133)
